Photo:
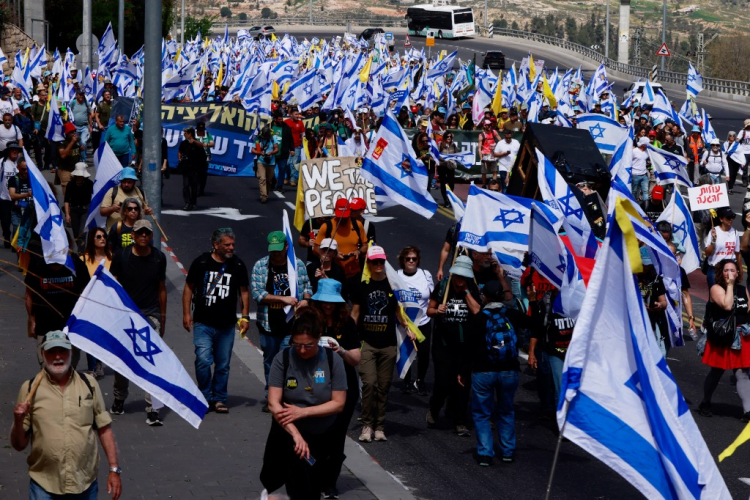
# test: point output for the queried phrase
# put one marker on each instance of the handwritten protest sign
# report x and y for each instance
(325, 180)
(708, 196)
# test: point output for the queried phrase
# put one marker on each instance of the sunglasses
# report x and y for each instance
(100, 237)
(411, 259)
(144, 232)
(377, 262)
(299, 347)
(132, 209)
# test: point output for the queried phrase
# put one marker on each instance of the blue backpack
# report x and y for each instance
(500, 336)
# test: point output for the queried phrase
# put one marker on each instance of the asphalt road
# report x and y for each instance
(435, 463)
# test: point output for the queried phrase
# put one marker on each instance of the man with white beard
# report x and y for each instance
(61, 420)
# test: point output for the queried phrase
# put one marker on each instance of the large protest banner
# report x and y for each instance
(325, 180)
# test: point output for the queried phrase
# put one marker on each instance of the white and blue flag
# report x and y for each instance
(668, 167)
(456, 204)
(694, 82)
(291, 266)
(683, 230)
(408, 300)
(442, 67)
(106, 323)
(707, 130)
(606, 132)
(621, 164)
(54, 130)
(619, 400)
(108, 170)
(648, 95)
(392, 167)
(498, 222)
(49, 225)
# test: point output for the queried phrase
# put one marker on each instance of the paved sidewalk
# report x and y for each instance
(222, 459)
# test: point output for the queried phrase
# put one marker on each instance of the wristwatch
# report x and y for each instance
(116, 470)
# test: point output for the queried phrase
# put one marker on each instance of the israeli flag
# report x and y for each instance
(557, 194)
(669, 168)
(456, 204)
(291, 266)
(107, 324)
(619, 400)
(3, 59)
(620, 166)
(694, 82)
(49, 225)
(108, 170)
(442, 67)
(306, 89)
(683, 230)
(54, 131)
(707, 130)
(408, 300)
(498, 222)
(648, 95)
(392, 167)
(607, 133)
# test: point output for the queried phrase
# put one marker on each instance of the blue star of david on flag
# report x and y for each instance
(509, 217)
(400, 165)
(562, 265)
(681, 228)
(597, 132)
(143, 334)
(352, 91)
(672, 163)
(308, 88)
(567, 209)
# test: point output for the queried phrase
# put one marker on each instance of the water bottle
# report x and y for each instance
(693, 334)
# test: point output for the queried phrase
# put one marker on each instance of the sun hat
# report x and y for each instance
(128, 173)
(55, 338)
(276, 241)
(375, 252)
(328, 291)
(13, 145)
(80, 170)
(695, 128)
(462, 267)
(68, 128)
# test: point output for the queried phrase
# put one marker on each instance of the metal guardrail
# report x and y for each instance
(320, 21)
(733, 87)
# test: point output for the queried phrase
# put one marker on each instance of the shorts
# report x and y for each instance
(489, 167)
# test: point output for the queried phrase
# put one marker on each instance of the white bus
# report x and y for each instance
(441, 21)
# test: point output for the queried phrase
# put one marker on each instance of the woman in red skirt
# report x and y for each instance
(722, 297)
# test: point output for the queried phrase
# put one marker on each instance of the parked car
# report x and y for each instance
(369, 32)
(260, 31)
(636, 89)
(493, 59)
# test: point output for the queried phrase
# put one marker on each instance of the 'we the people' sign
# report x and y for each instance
(325, 180)
(708, 196)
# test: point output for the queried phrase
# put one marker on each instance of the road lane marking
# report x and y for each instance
(223, 212)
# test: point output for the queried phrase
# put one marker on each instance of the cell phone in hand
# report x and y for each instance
(310, 460)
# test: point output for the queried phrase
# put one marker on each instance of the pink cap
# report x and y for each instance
(375, 252)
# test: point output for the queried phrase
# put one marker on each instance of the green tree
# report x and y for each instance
(514, 26)
(225, 12)
(243, 16)
(571, 29)
(267, 13)
(204, 24)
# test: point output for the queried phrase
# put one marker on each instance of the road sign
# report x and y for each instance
(389, 36)
(663, 50)
(407, 42)
(430, 41)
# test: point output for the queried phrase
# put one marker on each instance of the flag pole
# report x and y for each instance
(557, 453)
(447, 285)
(35, 386)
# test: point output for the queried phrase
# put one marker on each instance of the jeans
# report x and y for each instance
(545, 382)
(83, 133)
(213, 346)
(376, 371)
(715, 178)
(282, 171)
(77, 225)
(640, 187)
(502, 177)
(485, 387)
(122, 384)
(36, 492)
(556, 369)
(270, 346)
(710, 276)
(124, 159)
(293, 163)
(190, 188)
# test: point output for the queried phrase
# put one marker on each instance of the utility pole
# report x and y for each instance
(485, 17)
(121, 26)
(606, 34)
(182, 24)
(88, 50)
(664, 32)
(637, 48)
(152, 111)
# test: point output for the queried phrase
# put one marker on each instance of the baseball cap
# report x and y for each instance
(329, 243)
(55, 338)
(142, 224)
(357, 204)
(375, 252)
(276, 241)
(643, 141)
(128, 173)
(343, 208)
(726, 212)
(652, 133)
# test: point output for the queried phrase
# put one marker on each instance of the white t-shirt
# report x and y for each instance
(639, 162)
(420, 283)
(6, 107)
(727, 244)
(743, 137)
(9, 170)
(9, 134)
(505, 163)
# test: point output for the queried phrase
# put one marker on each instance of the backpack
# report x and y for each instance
(500, 337)
(86, 381)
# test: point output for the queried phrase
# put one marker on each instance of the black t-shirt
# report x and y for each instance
(278, 284)
(335, 273)
(216, 287)
(54, 285)
(21, 186)
(348, 338)
(377, 313)
(651, 291)
(451, 328)
(475, 356)
(553, 331)
(193, 156)
(120, 236)
(684, 278)
(79, 196)
(140, 277)
(310, 231)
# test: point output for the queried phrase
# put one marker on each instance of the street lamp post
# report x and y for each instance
(664, 31)
(152, 111)
(121, 26)
(606, 34)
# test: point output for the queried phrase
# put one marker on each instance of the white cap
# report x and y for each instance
(643, 141)
(715, 142)
(329, 243)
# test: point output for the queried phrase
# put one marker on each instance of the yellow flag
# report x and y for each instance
(462, 119)
(275, 91)
(532, 68)
(364, 75)
(299, 206)
(497, 101)
(547, 91)
(410, 324)
(366, 271)
(744, 436)
(273, 37)
(220, 76)
(622, 209)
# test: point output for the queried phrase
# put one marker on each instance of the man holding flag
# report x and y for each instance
(212, 286)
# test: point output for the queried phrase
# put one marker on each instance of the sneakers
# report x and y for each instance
(509, 460)
(186, 208)
(380, 436)
(484, 461)
(704, 409)
(430, 419)
(99, 371)
(118, 407)
(462, 431)
(421, 388)
(366, 436)
(152, 419)
(331, 492)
